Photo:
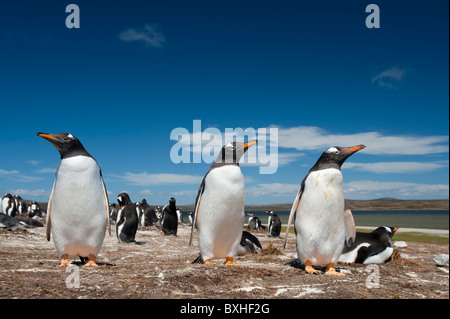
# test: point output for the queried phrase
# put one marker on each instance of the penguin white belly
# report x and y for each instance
(319, 220)
(221, 213)
(77, 215)
(381, 257)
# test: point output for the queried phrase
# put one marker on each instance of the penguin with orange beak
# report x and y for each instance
(322, 223)
(77, 211)
(219, 206)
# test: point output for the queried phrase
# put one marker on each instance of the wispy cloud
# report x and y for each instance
(314, 138)
(396, 167)
(388, 77)
(273, 190)
(28, 192)
(150, 35)
(5, 172)
(377, 189)
(18, 177)
(145, 179)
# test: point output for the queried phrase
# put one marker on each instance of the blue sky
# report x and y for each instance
(136, 70)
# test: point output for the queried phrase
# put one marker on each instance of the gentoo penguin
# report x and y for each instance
(169, 222)
(34, 210)
(219, 206)
(127, 219)
(9, 205)
(249, 244)
(370, 248)
(77, 213)
(191, 219)
(322, 224)
(254, 223)
(114, 209)
(179, 215)
(274, 224)
(147, 214)
(21, 205)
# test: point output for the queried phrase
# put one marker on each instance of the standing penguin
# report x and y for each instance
(169, 222)
(147, 214)
(254, 223)
(370, 248)
(127, 220)
(9, 205)
(77, 213)
(274, 224)
(322, 224)
(21, 205)
(219, 206)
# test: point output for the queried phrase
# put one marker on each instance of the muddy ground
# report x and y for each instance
(160, 267)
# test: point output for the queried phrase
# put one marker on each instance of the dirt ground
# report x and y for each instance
(160, 267)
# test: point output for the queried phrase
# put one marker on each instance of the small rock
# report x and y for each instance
(441, 260)
(400, 244)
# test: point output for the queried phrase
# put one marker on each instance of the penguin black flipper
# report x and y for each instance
(350, 228)
(198, 201)
(48, 223)
(293, 210)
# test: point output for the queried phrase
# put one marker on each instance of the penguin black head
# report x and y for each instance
(172, 202)
(390, 231)
(67, 144)
(231, 153)
(335, 156)
(124, 199)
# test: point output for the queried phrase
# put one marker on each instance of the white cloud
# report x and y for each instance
(33, 162)
(15, 174)
(46, 170)
(314, 138)
(145, 179)
(376, 189)
(28, 192)
(149, 35)
(5, 172)
(388, 77)
(395, 167)
(272, 190)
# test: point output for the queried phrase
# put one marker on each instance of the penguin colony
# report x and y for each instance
(79, 214)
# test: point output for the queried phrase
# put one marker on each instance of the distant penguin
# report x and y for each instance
(147, 214)
(249, 244)
(370, 248)
(254, 223)
(127, 219)
(321, 223)
(114, 209)
(34, 211)
(9, 205)
(77, 213)
(179, 216)
(191, 219)
(21, 205)
(169, 222)
(219, 206)
(274, 224)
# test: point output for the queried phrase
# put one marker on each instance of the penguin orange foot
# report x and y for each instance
(208, 262)
(332, 271)
(309, 268)
(229, 261)
(91, 261)
(64, 260)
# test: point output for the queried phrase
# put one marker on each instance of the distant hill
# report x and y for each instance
(374, 204)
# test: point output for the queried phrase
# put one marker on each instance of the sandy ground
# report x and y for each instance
(160, 267)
